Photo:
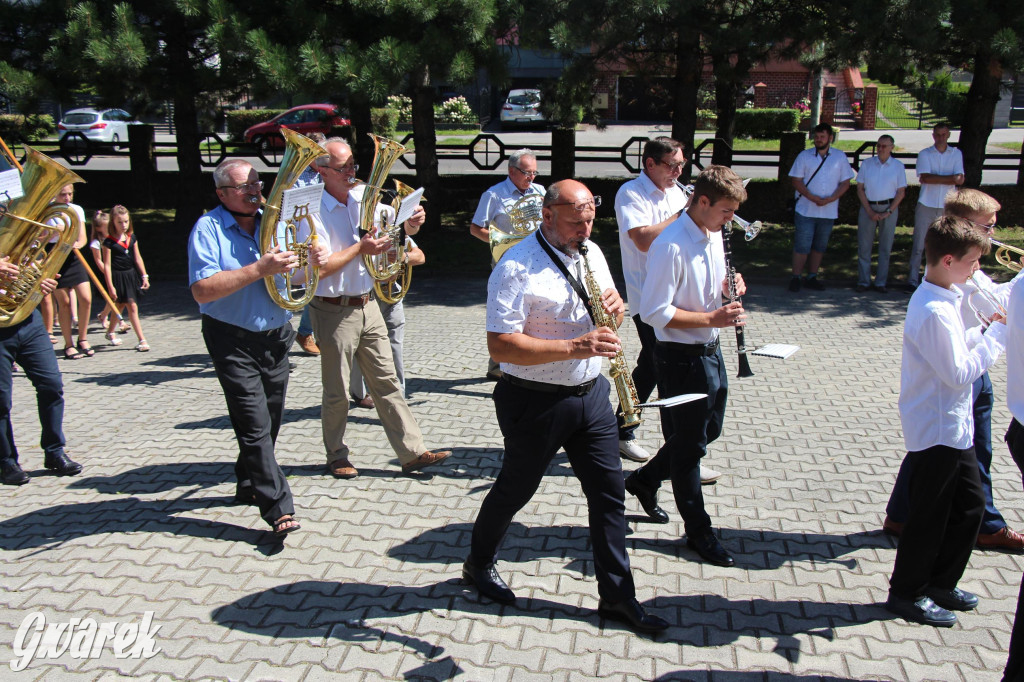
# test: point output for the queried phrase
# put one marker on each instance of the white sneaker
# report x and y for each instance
(707, 475)
(630, 449)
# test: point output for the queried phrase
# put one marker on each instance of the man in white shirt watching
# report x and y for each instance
(940, 168)
(644, 207)
(498, 199)
(881, 186)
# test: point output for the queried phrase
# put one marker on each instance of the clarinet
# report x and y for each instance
(730, 273)
(618, 366)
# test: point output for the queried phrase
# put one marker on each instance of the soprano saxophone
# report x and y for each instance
(618, 367)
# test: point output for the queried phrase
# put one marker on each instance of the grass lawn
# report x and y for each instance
(772, 145)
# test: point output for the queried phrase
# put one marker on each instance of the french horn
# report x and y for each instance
(24, 233)
(300, 151)
(524, 218)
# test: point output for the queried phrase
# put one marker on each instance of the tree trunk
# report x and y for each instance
(563, 153)
(726, 93)
(817, 84)
(687, 84)
(981, 105)
(362, 144)
(426, 141)
(191, 189)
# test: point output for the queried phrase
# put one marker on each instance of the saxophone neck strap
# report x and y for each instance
(573, 281)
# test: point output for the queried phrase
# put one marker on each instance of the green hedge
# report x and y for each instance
(385, 121)
(240, 120)
(17, 128)
(765, 123)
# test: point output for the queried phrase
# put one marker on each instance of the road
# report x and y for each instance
(907, 141)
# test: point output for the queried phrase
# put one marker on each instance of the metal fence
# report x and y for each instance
(918, 107)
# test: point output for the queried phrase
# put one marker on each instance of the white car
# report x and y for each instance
(100, 125)
(522, 107)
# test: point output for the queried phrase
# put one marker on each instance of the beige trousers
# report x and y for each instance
(345, 333)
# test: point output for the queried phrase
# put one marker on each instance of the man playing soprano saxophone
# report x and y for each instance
(552, 395)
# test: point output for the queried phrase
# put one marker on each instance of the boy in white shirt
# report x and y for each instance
(941, 360)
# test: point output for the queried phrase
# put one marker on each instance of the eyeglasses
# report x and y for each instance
(988, 228)
(673, 166)
(529, 174)
(245, 186)
(347, 168)
(581, 206)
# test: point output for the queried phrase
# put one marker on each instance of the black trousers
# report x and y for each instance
(253, 371)
(946, 505)
(645, 377)
(1015, 441)
(535, 425)
(688, 428)
(1015, 663)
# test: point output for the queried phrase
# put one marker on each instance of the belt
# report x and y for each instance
(705, 350)
(543, 387)
(351, 301)
(240, 332)
(881, 201)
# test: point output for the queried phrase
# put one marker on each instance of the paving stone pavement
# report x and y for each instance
(369, 590)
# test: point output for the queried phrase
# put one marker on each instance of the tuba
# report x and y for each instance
(524, 216)
(24, 234)
(299, 153)
(391, 275)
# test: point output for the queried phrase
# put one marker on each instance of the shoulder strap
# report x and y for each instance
(819, 167)
(573, 282)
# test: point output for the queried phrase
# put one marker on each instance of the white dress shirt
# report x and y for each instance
(1015, 354)
(685, 271)
(338, 227)
(940, 362)
(640, 203)
(528, 294)
(835, 170)
(931, 160)
(495, 202)
(881, 180)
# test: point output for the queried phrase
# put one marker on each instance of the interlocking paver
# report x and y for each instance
(369, 588)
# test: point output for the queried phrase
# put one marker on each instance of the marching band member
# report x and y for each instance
(682, 301)
(349, 326)
(246, 333)
(552, 395)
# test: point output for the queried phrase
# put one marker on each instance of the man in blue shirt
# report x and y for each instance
(246, 333)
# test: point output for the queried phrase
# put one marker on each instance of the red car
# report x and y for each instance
(305, 119)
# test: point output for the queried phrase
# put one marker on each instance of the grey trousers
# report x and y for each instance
(924, 216)
(866, 231)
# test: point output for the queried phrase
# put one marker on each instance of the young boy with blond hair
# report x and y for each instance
(941, 361)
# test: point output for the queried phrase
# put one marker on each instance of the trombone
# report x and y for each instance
(1003, 256)
(990, 302)
(750, 229)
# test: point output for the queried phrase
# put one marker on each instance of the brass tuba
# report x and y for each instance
(525, 218)
(299, 153)
(391, 274)
(24, 234)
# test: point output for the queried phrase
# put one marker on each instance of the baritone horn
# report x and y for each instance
(391, 273)
(1003, 256)
(299, 153)
(524, 218)
(24, 233)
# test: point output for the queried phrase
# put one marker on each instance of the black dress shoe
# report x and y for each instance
(710, 549)
(11, 473)
(953, 600)
(647, 498)
(488, 582)
(632, 614)
(62, 465)
(921, 610)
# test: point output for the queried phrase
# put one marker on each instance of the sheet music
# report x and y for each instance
(309, 195)
(409, 205)
(776, 350)
(10, 186)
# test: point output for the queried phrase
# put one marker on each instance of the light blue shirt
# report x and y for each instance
(217, 244)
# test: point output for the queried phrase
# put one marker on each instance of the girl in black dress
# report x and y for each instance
(125, 271)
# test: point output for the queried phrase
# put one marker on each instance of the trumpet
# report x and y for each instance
(991, 302)
(1003, 256)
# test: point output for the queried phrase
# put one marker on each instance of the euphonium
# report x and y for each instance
(391, 274)
(524, 216)
(24, 235)
(299, 153)
(618, 366)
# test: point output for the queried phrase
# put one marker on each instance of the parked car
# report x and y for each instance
(100, 125)
(522, 107)
(305, 119)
